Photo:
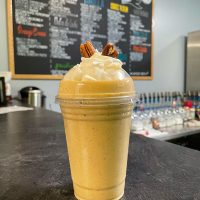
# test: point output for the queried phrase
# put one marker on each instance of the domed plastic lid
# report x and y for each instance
(96, 77)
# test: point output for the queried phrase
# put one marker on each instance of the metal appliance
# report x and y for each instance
(35, 98)
(2, 92)
(192, 73)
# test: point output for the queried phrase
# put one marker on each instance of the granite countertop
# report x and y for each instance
(34, 163)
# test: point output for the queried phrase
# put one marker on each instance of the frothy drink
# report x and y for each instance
(95, 97)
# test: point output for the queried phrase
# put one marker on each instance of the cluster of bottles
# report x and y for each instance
(163, 109)
(192, 99)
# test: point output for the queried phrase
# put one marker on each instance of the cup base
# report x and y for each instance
(114, 193)
(118, 198)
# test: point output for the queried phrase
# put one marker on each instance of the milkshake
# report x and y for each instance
(96, 100)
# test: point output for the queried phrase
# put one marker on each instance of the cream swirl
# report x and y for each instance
(97, 68)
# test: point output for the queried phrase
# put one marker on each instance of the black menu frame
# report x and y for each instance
(38, 68)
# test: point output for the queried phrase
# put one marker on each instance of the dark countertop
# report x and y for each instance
(33, 163)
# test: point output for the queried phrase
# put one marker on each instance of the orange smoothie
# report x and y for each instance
(97, 118)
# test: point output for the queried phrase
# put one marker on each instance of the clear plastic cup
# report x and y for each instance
(97, 134)
(97, 120)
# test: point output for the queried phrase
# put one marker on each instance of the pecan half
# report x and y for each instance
(109, 50)
(87, 49)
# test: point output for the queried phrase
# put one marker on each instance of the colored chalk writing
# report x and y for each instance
(47, 33)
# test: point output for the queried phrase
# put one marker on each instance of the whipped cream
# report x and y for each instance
(97, 68)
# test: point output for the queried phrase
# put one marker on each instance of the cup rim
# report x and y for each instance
(98, 101)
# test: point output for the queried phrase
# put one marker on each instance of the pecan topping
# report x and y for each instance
(87, 49)
(109, 50)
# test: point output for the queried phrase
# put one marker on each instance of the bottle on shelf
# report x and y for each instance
(141, 103)
(158, 101)
(169, 100)
(145, 102)
(162, 100)
(188, 93)
(174, 100)
(154, 101)
(150, 101)
(179, 100)
(165, 100)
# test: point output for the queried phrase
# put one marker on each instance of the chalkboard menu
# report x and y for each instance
(45, 35)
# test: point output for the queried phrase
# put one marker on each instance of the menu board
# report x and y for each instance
(45, 35)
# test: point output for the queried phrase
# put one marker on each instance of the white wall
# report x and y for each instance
(173, 20)
(3, 37)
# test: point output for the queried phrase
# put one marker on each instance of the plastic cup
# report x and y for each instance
(97, 120)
